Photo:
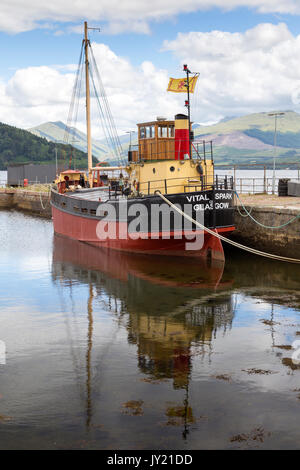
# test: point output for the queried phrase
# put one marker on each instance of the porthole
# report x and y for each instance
(172, 168)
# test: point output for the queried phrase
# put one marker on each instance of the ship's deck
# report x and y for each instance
(96, 194)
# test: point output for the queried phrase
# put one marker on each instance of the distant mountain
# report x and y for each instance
(251, 137)
(227, 118)
(235, 139)
(55, 132)
(20, 146)
(238, 140)
(289, 122)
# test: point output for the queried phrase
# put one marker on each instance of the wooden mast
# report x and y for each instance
(187, 104)
(88, 105)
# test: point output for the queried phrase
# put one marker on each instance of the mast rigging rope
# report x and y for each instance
(115, 143)
(106, 118)
(69, 129)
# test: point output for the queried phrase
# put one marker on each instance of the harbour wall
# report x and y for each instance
(284, 241)
(33, 202)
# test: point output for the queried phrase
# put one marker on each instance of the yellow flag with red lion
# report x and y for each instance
(179, 85)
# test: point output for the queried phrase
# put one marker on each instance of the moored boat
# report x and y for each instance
(121, 208)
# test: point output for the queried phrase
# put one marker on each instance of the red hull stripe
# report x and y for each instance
(84, 229)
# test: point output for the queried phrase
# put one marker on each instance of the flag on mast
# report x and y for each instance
(179, 85)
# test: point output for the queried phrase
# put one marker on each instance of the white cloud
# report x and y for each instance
(131, 15)
(38, 94)
(35, 95)
(242, 72)
(135, 94)
(40, 86)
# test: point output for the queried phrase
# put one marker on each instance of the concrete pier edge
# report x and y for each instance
(32, 202)
(284, 241)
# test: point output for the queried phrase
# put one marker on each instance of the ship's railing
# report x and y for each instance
(256, 185)
(224, 182)
(173, 186)
(203, 150)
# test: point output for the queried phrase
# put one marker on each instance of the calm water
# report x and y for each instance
(126, 352)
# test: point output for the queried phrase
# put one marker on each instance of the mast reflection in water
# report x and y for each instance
(164, 326)
(112, 351)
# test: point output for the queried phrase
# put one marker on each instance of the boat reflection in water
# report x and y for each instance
(166, 304)
(200, 273)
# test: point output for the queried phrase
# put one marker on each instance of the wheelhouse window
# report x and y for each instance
(163, 131)
(142, 133)
(147, 132)
(152, 132)
(166, 131)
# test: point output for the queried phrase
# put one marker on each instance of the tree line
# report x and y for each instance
(20, 146)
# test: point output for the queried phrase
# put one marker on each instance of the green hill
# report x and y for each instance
(289, 122)
(283, 139)
(237, 140)
(251, 137)
(18, 146)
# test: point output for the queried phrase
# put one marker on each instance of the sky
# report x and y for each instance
(246, 51)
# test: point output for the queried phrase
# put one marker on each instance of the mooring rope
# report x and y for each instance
(227, 240)
(247, 213)
(47, 202)
(272, 227)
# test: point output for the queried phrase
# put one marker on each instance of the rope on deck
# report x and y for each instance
(227, 240)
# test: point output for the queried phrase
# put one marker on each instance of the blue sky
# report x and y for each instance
(247, 56)
(41, 46)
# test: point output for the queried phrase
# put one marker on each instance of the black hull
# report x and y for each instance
(216, 207)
